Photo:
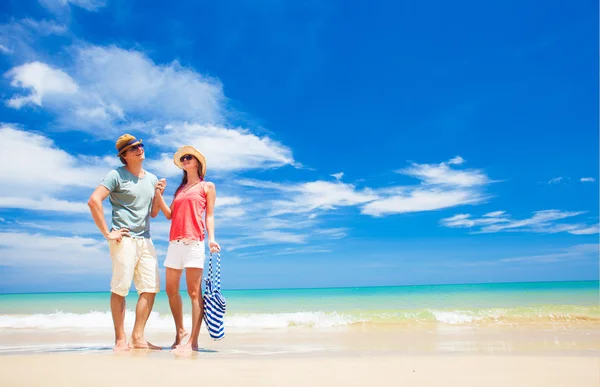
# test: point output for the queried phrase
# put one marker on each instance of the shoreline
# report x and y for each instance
(558, 339)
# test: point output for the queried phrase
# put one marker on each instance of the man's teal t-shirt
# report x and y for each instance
(131, 198)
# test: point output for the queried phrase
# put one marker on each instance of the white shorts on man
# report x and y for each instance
(184, 253)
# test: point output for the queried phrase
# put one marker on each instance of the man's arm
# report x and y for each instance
(162, 205)
(95, 204)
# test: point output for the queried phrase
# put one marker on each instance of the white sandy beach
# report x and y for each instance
(140, 368)
(557, 356)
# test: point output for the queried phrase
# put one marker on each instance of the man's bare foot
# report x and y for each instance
(121, 346)
(179, 338)
(142, 344)
(186, 348)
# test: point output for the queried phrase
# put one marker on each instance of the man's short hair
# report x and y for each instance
(123, 160)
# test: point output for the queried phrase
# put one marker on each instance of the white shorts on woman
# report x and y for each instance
(185, 253)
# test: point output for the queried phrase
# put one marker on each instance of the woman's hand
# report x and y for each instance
(214, 247)
(161, 185)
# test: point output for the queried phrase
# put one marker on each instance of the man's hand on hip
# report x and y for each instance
(117, 235)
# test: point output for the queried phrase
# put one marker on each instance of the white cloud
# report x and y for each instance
(422, 200)
(443, 174)
(494, 214)
(311, 196)
(227, 201)
(59, 5)
(225, 149)
(587, 180)
(338, 176)
(55, 172)
(281, 236)
(110, 90)
(569, 254)
(144, 90)
(21, 37)
(541, 222)
(465, 220)
(456, 160)
(44, 27)
(42, 81)
(62, 253)
(122, 87)
(595, 229)
(333, 233)
(555, 180)
(441, 187)
(44, 203)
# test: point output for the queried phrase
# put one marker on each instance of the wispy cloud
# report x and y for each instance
(555, 180)
(56, 173)
(441, 187)
(20, 37)
(443, 174)
(541, 222)
(108, 90)
(42, 81)
(117, 87)
(225, 149)
(311, 196)
(39, 250)
(587, 180)
(456, 160)
(60, 5)
(571, 253)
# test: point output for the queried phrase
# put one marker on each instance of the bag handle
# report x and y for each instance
(217, 278)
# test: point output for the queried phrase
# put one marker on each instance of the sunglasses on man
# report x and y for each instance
(136, 147)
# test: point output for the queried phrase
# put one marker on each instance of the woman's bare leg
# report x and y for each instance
(172, 282)
(193, 278)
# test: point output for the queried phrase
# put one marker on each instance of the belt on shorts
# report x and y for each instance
(187, 242)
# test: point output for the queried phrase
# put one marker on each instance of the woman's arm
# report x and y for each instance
(211, 195)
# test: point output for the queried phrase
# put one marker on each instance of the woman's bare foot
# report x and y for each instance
(142, 344)
(186, 348)
(179, 338)
(121, 346)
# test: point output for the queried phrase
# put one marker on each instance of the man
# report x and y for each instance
(131, 191)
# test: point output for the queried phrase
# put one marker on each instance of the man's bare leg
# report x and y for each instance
(117, 308)
(142, 312)
(172, 283)
(193, 278)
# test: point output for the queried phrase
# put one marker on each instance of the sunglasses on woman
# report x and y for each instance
(186, 157)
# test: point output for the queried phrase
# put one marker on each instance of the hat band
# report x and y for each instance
(129, 143)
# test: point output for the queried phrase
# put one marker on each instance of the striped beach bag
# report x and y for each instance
(214, 302)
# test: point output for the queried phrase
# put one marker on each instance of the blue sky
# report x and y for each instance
(351, 145)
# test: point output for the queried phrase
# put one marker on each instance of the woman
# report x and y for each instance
(193, 198)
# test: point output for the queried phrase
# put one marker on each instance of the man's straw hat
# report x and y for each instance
(190, 150)
(125, 142)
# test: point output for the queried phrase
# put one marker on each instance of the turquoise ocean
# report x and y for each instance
(287, 309)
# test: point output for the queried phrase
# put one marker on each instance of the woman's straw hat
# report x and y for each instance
(190, 150)
(125, 142)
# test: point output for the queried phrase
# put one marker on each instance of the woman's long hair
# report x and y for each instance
(184, 179)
